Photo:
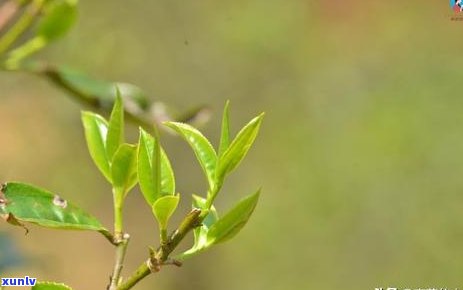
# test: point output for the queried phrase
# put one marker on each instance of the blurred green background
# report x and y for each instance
(360, 154)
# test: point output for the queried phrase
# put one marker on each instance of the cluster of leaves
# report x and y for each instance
(125, 165)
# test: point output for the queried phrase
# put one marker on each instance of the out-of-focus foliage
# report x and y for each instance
(360, 157)
(28, 26)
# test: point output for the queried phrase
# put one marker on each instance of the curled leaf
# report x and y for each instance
(164, 207)
(155, 173)
(124, 168)
(200, 233)
(96, 130)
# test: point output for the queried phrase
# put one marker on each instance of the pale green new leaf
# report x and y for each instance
(202, 148)
(155, 179)
(96, 130)
(238, 148)
(164, 207)
(124, 168)
(116, 127)
(225, 132)
(21, 202)
(50, 286)
(212, 216)
(232, 222)
(200, 233)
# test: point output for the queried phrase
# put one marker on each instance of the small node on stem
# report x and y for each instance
(173, 262)
(154, 267)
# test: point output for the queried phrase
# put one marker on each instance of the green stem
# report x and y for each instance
(21, 25)
(163, 236)
(211, 195)
(120, 256)
(161, 257)
(118, 215)
(141, 273)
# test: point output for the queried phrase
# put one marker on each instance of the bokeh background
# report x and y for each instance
(360, 154)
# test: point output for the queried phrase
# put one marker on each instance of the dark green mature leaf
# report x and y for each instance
(50, 286)
(202, 148)
(225, 132)
(124, 168)
(164, 207)
(231, 223)
(238, 148)
(154, 182)
(96, 130)
(116, 127)
(58, 18)
(21, 202)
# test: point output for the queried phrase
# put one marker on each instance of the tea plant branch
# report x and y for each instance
(124, 166)
(120, 256)
(21, 25)
(53, 75)
(161, 256)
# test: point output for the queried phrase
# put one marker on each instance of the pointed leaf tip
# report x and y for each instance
(202, 148)
(239, 147)
(153, 183)
(232, 223)
(116, 127)
(225, 132)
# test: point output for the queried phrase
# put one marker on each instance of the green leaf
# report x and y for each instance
(58, 18)
(94, 91)
(225, 132)
(50, 286)
(155, 179)
(124, 168)
(200, 233)
(116, 127)
(231, 223)
(238, 148)
(96, 130)
(202, 148)
(212, 216)
(164, 207)
(21, 202)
